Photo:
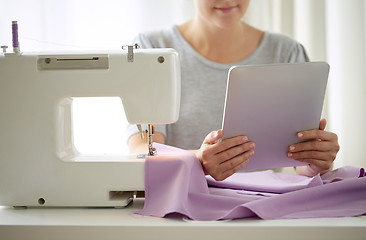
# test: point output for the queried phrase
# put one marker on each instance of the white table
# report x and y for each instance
(114, 223)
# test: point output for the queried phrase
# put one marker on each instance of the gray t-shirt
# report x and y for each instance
(204, 82)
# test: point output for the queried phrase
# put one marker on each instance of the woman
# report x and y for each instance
(209, 44)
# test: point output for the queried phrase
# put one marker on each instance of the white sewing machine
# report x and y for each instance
(39, 165)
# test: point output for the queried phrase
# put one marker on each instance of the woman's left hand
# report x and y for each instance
(319, 150)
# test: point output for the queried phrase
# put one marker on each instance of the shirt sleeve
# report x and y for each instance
(143, 41)
(298, 54)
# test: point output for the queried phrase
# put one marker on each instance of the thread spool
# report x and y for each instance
(14, 27)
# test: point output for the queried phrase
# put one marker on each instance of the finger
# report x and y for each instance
(237, 160)
(322, 146)
(322, 156)
(230, 172)
(317, 165)
(212, 156)
(228, 143)
(233, 165)
(317, 134)
(213, 136)
(216, 159)
(219, 134)
(235, 151)
(322, 124)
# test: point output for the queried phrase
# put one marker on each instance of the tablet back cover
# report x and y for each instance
(270, 104)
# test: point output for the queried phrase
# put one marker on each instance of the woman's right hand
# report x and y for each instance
(221, 159)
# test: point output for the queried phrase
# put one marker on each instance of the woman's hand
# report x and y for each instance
(319, 151)
(223, 159)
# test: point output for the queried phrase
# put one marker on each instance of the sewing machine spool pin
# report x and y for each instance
(130, 55)
(15, 42)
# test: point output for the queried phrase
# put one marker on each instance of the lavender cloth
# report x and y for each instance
(175, 183)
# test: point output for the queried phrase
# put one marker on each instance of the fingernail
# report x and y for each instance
(292, 148)
(300, 134)
(289, 154)
(245, 139)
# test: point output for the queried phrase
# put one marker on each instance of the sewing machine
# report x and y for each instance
(39, 164)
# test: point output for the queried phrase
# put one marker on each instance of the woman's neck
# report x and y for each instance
(221, 45)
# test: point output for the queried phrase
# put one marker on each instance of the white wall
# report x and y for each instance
(86, 24)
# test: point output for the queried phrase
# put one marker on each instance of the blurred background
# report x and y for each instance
(330, 30)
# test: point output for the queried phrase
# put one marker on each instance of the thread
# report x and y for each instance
(14, 27)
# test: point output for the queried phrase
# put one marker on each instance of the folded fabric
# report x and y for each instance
(175, 183)
(266, 181)
(271, 182)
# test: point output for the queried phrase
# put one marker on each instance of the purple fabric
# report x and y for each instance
(175, 183)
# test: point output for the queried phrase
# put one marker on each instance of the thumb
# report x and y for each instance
(213, 136)
(322, 124)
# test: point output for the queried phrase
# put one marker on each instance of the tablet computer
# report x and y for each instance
(270, 104)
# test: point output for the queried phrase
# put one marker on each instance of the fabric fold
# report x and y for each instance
(266, 181)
